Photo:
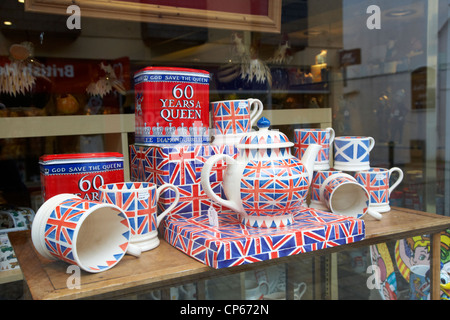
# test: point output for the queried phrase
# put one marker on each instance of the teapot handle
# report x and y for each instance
(206, 184)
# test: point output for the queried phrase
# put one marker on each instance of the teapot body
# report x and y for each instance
(265, 184)
(265, 189)
(272, 189)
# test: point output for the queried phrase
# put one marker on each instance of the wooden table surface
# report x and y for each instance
(165, 265)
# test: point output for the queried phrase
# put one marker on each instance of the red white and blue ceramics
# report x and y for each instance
(324, 137)
(181, 166)
(93, 235)
(376, 181)
(352, 153)
(234, 118)
(138, 200)
(266, 184)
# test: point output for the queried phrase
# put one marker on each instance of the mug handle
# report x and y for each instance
(206, 184)
(256, 112)
(174, 203)
(399, 179)
(301, 292)
(371, 143)
(134, 250)
(332, 134)
(374, 213)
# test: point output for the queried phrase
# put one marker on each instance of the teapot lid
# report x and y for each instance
(264, 138)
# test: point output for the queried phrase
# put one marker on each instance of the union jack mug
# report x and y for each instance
(352, 153)
(93, 235)
(235, 116)
(139, 202)
(318, 179)
(376, 181)
(323, 137)
(343, 195)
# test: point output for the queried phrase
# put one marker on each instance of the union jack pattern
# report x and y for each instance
(303, 138)
(192, 199)
(231, 117)
(377, 183)
(318, 179)
(273, 187)
(233, 243)
(61, 226)
(140, 210)
(181, 166)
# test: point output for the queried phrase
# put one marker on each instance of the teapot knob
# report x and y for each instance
(263, 123)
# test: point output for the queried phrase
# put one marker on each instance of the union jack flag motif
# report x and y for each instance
(140, 209)
(273, 187)
(304, 137)
(232, 243)
(181, 166)
(62, 225)
(231, 117)
(319, 178)
(192, 198)
(147, 165)
(377, 183)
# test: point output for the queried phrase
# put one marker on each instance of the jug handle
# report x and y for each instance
(174, 203)
(206, 184)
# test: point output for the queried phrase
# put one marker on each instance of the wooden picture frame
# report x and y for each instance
(228, 14)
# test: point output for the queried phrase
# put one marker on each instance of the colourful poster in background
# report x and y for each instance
(380, 257)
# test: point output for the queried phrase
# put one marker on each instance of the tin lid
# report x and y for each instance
(264, 138)
(174, 70)
(80, 156)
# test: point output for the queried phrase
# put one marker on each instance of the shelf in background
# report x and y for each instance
(24, 127)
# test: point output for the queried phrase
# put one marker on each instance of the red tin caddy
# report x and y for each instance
(172, 106)
(81, 173)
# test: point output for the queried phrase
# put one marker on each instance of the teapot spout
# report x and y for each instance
(309, 158)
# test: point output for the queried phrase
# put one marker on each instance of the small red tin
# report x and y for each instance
(171, 106)
(81, 173)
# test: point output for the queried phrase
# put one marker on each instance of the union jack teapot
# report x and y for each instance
(266, 184)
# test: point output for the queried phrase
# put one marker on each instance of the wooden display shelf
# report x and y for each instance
(166, 266)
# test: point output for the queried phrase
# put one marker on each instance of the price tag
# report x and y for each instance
(213, 217)
(143, 195)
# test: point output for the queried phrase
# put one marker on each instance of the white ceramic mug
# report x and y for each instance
(189, 291)
(93, 235)
(299, 290)
(352, 153)
(139, 202)
(253, 290)
(376, 181)
(343, 195)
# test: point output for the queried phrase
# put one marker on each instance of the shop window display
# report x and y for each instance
(359, 69)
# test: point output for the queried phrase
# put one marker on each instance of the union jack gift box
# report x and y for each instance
(180, 165)
(231, 243)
